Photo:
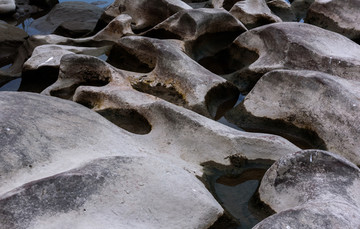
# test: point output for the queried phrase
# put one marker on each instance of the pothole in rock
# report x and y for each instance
(128, 119)
(236, 188)
(224, 121)
(37, 80)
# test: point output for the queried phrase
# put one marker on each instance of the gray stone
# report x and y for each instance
(312, 189)
(145, 13)
(204, 31)
(78, 13)
(321, 108)
(338, 16)
(174, 130)
(285, 46)
(253, 13)
(7, 6)
(282, 9)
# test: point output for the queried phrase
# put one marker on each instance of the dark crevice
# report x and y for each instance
(220, 99)
(128, 119)
(37, 80)
(301, 137)
(236, 188)
(161, 34)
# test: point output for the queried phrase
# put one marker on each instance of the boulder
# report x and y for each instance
(338, 16)
(282, 9)
(319, 108)
(253, 13)
(164, 70)
(145, 14)
(11, 38)
(7, 7)
(56, 171)
(252, 53)
(74, 19)
(196, 140)
(301, 7)
(313, 189)
(204, 31)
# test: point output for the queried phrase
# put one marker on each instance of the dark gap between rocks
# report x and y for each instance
(224, 121)
(37, 80)
(13, 85)
(128, 119)
(236, 188)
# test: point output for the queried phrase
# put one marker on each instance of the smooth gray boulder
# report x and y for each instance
(112, 192)
(285, 46)
(312, 189)
(320, 108)
(204, 31)
(63, 165)
(253, 13)
(73, 19)
(145, 13)
(173, 130)
(336, 15)
(7, 6)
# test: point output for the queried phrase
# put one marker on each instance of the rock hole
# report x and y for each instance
(128, 119)
(123, 59)
(165, 92)
(220, 99)
(236, 189)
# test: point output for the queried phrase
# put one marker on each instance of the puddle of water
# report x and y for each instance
(12, 85)
(103, 57)
(235, 188)
(25, 25)
(101, 4)
(226, 122)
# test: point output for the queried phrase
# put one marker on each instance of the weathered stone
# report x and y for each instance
(174, 130)
(77, 14)
(7, 6)
(338, 16)
(11, 38)
(56, 170)
(282, 9)
(145, 14)
(285, 46)
(314, 189)
(253, 13)
(204, 31)
(320, 108)
(167, 72)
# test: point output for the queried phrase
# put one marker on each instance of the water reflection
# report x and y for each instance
(12, 85)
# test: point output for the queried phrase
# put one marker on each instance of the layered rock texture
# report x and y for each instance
(139, 86)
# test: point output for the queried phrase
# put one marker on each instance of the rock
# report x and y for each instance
(301, 7)
(145, 14)
(338, 16)
(204, 31)
(56, 171)
(196, 140)
(253, 13)
(164, 70)
(112, 192)
(314, 189)
(69, 16)
(320, 50)
(320, 108)
(11, 38)
(7, 6)
(282, 9)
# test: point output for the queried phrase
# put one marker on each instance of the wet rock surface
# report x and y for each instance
(152, 78)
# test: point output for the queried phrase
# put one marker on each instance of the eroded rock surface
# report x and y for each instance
(338, 16)
(290, 45)
(322, 108)
(145, 14)
(253, 13)
(7, 6)
(312, 188)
